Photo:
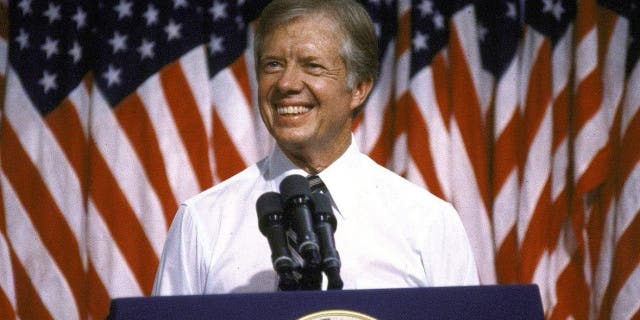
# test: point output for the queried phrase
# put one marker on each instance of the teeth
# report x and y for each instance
(292, 110)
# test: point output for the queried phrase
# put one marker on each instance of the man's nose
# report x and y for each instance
(290, 80)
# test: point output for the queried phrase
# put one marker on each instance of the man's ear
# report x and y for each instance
(360, 93)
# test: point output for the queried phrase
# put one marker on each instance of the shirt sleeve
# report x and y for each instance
(182, 266)
(450, 256)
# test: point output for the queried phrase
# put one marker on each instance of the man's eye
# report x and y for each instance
(271, 66)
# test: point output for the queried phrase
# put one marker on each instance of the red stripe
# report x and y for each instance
(572, 292)
(228, 160)
(507, 259)
(418, 145)
(505, 153)
(45, 215)
(535, 238)
(538, 95)
(630, 156)
(626, 259)
(121, 221)
(29, 304)
(241, 74)
(466, 109)
(188, 121)
(98, 296)
(134, 120)
(66, 127)
(441, 87)
(381, 151)
(6, 309)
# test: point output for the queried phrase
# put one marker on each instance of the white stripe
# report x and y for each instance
(631, 105)
(123, 163)
(81, 100)
(505, 208)
(593, 136)
(628, 299)
(561, 62)
(628, 204)
(586, 58)
(45, 153)
(559, 260)
(178, 167)
(605, 262)
(7, 284)
(559, 170)
(532, 43)
(535, 173)
(466, 27)
(422, 89)
(470, 206)
(403, 66)
(541, 278)
(614, 68)
(234, 111)
(400, 158)
(370, 129)
(4, 55)
(265, 141)
(46, 277)
(506, 101)
(108, 261)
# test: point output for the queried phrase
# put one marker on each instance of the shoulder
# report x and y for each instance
(236, 189)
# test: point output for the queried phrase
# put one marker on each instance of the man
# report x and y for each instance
(316, 62)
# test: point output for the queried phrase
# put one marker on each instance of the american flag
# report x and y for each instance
(524, 114)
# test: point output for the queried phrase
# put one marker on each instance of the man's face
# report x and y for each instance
(302, 89)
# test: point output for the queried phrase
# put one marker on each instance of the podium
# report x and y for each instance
(472, 302)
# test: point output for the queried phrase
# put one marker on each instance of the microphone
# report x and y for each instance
(297, 204)
(273, 225)
(325, 226)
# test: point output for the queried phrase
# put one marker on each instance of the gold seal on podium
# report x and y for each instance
(337, 315)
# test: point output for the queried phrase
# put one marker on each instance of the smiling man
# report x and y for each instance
(316, 62)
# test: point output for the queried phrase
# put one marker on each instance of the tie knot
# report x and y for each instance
(316, 185)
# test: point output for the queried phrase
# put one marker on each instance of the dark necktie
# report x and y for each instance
(316, 185)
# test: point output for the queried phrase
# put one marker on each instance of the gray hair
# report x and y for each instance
(359, 49)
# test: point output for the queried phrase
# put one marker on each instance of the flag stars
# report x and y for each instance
(511, 11)
(146, 49)
(218, 10)
(420, 41)
(482, 32)
(80, 18)
(553, 7)
(177, 4)
(50, 47)
(426, 8)
(75, 52)
(438, 21)
(48, 81)
(173, 30)
(215, 45)
(123, 9)
(112, 75)
(52, 13)
(118, 42)
(23, 39)
(151, 15)
(25, 7)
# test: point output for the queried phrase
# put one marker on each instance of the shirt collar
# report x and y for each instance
(340, 177)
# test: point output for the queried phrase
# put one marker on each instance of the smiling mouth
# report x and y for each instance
(292, 110)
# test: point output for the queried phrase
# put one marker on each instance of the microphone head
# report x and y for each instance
(269, 206)
(323, 209)
(294, 185)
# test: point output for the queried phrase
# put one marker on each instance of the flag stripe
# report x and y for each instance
(189, 122)
(130, 238)
(134, 120)
(44, 213)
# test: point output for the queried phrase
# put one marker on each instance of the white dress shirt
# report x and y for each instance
(390, 232)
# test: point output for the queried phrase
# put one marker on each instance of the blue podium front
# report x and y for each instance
(473, 302)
